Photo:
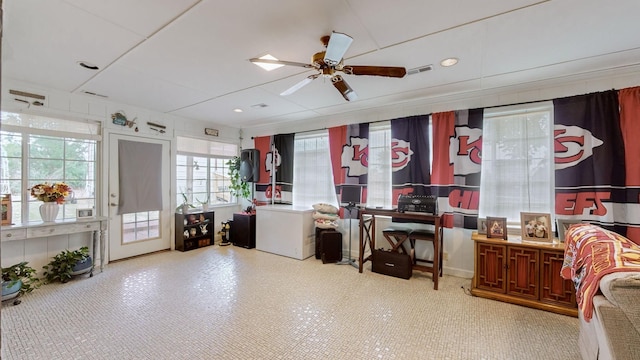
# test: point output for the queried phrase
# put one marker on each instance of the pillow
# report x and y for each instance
(325, 208)
(326, 216)
(326, 224)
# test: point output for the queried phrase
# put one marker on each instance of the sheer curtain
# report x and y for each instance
(517, 162)
(379, 185)
(312, 178)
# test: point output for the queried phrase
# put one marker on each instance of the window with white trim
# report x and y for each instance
(312, 172)
(517, 162)
(39, 149)
(379, 176)
(202, 173)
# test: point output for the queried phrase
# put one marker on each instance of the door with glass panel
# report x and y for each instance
(139, 196)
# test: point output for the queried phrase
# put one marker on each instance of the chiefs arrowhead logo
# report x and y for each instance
(572, 145)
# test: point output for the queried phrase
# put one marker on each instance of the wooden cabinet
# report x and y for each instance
(194, 230)
(243, 230)
(522, 273)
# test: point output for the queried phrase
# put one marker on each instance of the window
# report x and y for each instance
(312, 173)
(202, 174)
(517, 162)
(38, 149)
(379, 177)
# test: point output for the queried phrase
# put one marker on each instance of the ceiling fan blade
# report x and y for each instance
(280, 62)
(390, 71)
(344, 88)
(299, 85)
(336, 48)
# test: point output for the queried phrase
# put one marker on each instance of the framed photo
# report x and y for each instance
(536, 227)
(84, 214)
(563, 226)
(496, 228)
(482, 226)
(6, 209)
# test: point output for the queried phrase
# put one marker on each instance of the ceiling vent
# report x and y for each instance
(420, 69)
(261, 105)
(94, 94)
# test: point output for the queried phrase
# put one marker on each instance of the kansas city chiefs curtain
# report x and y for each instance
(410, 156)
(283, 148)
(277, 149)
(263, 144)
(349, 150)
(629, 100)
(457, 144)
(591, 162)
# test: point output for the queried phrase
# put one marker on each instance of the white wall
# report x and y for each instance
(457, 242)
(38, 252)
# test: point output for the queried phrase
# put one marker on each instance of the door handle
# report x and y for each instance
(113, 204)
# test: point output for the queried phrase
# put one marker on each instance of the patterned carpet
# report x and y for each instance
(234, 303)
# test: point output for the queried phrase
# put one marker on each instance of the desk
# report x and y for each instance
(368, 228)
(97, 225)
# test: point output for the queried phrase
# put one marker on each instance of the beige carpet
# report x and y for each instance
(234, 303)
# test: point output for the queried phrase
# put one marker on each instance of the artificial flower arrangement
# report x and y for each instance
(55, 192)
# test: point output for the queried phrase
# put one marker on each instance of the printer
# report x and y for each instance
(418, 203)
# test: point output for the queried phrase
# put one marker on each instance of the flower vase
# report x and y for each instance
(49, 211)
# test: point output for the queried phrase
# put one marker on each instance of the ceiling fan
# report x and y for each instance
(330, 61)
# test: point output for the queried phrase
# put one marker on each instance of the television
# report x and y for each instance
(351, 195)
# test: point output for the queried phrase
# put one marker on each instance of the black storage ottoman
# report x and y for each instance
(392, 263)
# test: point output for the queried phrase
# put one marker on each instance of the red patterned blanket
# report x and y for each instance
(591, 252)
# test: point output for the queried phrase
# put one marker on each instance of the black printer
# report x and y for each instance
(418, 203)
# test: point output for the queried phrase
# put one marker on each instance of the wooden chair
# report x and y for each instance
(435, 265)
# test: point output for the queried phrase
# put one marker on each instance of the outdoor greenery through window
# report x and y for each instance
(38, 149)
(517, 162)
(202, 173)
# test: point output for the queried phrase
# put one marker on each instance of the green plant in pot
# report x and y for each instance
(239, 188)
(186, 205)
(18, 279)
(66, 264)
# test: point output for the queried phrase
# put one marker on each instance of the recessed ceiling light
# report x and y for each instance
(267, 66)
(238, 110)
(449, 62)
(88, 65)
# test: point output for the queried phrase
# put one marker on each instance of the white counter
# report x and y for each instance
(285, 230)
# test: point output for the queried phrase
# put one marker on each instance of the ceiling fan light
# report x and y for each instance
(266, 65)
(338, 45)
(344, 88)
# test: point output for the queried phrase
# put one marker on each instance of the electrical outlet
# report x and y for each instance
(445, 256)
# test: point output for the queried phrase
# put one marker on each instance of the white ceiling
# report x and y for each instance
(190, 58)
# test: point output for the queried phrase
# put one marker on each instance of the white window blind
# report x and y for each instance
(517, 162)
(379, 177)
(312, 174)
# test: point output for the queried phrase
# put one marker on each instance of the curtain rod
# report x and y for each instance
(486, 107)
(306, 131)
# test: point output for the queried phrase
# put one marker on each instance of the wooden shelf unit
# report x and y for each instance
(194, 230)
(523, 273)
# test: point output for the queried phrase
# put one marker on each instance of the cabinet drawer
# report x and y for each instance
(43, 231)
(15, 234)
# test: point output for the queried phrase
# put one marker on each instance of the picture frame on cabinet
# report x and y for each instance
(482, 226)
(496, 227)
(536, 227)
(6, 209)
(563, 225)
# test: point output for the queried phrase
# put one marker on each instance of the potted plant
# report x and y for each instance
(238, 187)
(18, 279)
(67, 264)
(204, 203)
(186, 205)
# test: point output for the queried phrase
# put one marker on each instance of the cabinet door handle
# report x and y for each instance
(9, 235)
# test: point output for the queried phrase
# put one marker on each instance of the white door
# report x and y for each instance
(143, 232)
